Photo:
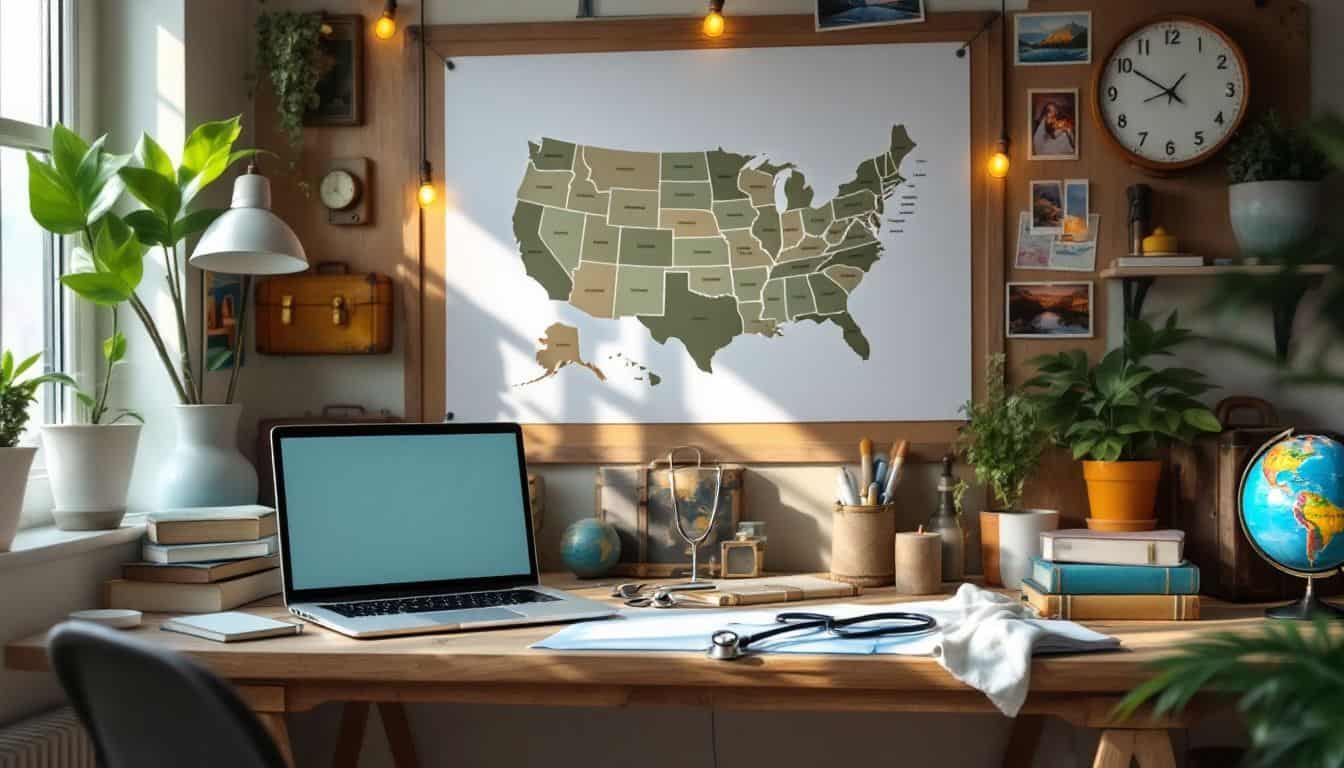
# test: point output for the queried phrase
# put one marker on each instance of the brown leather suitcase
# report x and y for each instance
(1205, 481)
(328, 311)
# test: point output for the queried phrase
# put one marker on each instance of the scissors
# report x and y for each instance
(727, 645)
(633, 593)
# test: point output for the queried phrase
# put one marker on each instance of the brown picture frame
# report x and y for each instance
(424, 247)
(341, 54)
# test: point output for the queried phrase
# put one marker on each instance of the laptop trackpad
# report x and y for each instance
(471, 615)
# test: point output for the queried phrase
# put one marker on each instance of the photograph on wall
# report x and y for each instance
(223, 299)
(340, 72)
(1053, 38)
(1047, 208)
(1075, 209)
(1076, 253)
(1033, 250)
(1049, 310)
(1054, 123)
(847, 14)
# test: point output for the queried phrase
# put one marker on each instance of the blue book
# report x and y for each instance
(1091, 579)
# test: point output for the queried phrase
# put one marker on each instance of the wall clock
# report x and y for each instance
(343, 191)
(1171, 93)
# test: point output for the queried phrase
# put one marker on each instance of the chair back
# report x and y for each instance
(144, 705)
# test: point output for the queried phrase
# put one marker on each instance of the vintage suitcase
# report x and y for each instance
(1205, 480)
(328, 311)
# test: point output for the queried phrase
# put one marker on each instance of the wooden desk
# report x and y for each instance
(295, 674)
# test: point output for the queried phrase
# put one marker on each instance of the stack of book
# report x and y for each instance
(1089, 575)
(201, 560)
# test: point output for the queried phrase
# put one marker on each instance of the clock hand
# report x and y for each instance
(1171, 92)
(1151, 80)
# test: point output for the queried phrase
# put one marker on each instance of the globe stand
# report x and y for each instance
(1306, 609)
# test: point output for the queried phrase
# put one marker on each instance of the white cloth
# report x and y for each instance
(985, 639)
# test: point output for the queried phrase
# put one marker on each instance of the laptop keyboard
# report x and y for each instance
(427, 603)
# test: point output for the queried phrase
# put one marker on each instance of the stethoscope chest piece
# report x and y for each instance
(725, 645)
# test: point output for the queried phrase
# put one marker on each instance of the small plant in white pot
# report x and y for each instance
(1003, 440)
(1274, 200)
(17, 396)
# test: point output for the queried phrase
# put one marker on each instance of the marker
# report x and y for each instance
(845, 492)
(866, 462)
(871, 498)
(898, 452)
(880, 471)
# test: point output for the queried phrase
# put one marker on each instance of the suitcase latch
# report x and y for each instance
(287, 310)
(339, 315)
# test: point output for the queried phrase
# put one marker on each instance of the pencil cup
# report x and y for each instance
(861, 544)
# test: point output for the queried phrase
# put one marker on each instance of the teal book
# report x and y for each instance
(1091, 579)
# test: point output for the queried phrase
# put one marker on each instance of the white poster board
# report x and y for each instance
(594, 274)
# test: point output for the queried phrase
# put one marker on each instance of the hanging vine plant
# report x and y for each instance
(287, 50)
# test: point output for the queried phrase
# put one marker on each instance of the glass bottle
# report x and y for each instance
(947, 523)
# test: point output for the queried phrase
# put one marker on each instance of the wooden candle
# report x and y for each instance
(919, 562)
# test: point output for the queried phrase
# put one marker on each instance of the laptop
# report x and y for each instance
(396, 529)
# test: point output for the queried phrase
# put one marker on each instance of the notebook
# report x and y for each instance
(231, 626)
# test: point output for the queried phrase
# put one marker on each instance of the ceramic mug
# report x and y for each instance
(1009, 541)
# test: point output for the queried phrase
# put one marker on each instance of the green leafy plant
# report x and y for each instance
(1268, 150)
(1003, 438)
(287, 51)
(1289, 686)
(17, 395)
(73, 192)
(1123, 408)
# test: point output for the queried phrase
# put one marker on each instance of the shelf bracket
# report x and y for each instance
(1136, 292)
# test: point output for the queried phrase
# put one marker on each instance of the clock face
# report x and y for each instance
(338, 190)
(1172, 92)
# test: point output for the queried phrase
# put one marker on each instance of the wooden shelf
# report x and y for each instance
(1130, 273)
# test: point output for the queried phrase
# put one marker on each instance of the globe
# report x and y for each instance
(590, 547)
(1292, 504)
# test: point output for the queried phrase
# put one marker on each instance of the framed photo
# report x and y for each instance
(847, 14)
(221, 299)
(1075, 209)
(1050, 310)
(1046, 39)
(1052, 116)
(1047, 207)
(637, 500)
(340, 72)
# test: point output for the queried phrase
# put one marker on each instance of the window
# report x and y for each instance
(32, 97)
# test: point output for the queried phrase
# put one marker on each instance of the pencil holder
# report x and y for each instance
(862, 538)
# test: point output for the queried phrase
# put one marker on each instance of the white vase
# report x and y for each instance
(90, 470)
(1270, 215)
(206, 469)
(1009, 541)
(14, 466)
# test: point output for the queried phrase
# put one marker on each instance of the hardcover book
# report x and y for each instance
(205, 525)
(1080, 545)
(157, 597)
(226, 550)
(1111, 607)
(1093, 579)
(198, 573)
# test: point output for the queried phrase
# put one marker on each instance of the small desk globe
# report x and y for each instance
(590, 547)
(1292, 510)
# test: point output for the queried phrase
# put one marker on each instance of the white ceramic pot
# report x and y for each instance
(90, 470)
(206, 469)
(1270, 215)
(14, 466)
(1009, 541)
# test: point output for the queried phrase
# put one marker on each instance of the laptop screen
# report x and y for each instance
(364, 510)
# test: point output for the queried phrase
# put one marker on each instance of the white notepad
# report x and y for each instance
(231, 626)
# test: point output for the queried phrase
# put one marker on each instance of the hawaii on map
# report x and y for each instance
(695, 245)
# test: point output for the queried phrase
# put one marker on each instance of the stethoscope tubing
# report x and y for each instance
(798, 621)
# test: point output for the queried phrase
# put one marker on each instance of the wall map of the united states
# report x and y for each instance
(693, 244)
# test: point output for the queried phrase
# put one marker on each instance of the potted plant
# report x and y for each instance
(1115, 416)
(1274, 199)
(73, 194)
(17, 395)
(1002, 441)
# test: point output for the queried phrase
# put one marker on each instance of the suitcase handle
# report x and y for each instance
(1263, 409)
(331, 268)
(343, 410)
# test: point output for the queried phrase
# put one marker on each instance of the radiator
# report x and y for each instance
(54, 740)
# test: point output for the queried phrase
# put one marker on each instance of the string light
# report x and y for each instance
(386, 25)
(998, 161)
(427, 193)
(714, 23)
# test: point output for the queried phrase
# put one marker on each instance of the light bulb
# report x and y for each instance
(998, 162)
(385, 27)
(713, 26)
(426, 194)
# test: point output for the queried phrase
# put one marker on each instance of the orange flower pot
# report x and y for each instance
(1122, 494)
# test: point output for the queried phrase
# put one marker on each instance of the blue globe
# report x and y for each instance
(1292, 503)
(590, 548)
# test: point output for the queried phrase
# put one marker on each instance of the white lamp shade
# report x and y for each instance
(248, 239)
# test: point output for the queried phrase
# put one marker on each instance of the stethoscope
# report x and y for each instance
(727, 645)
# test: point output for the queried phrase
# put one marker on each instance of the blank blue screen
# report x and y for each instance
(391, 509)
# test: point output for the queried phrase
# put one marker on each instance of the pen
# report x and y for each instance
(865, 462)
(898, 452)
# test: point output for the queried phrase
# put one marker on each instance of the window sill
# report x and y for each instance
(47, 542)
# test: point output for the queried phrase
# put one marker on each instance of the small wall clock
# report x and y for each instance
(343, 191)
(1171, 93)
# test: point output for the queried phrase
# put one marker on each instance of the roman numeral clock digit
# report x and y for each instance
(1171, 93)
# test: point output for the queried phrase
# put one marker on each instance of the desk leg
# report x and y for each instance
(350, 738)
(1149, 749)
(1023, 740)
(275, 725)
(398, 730)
